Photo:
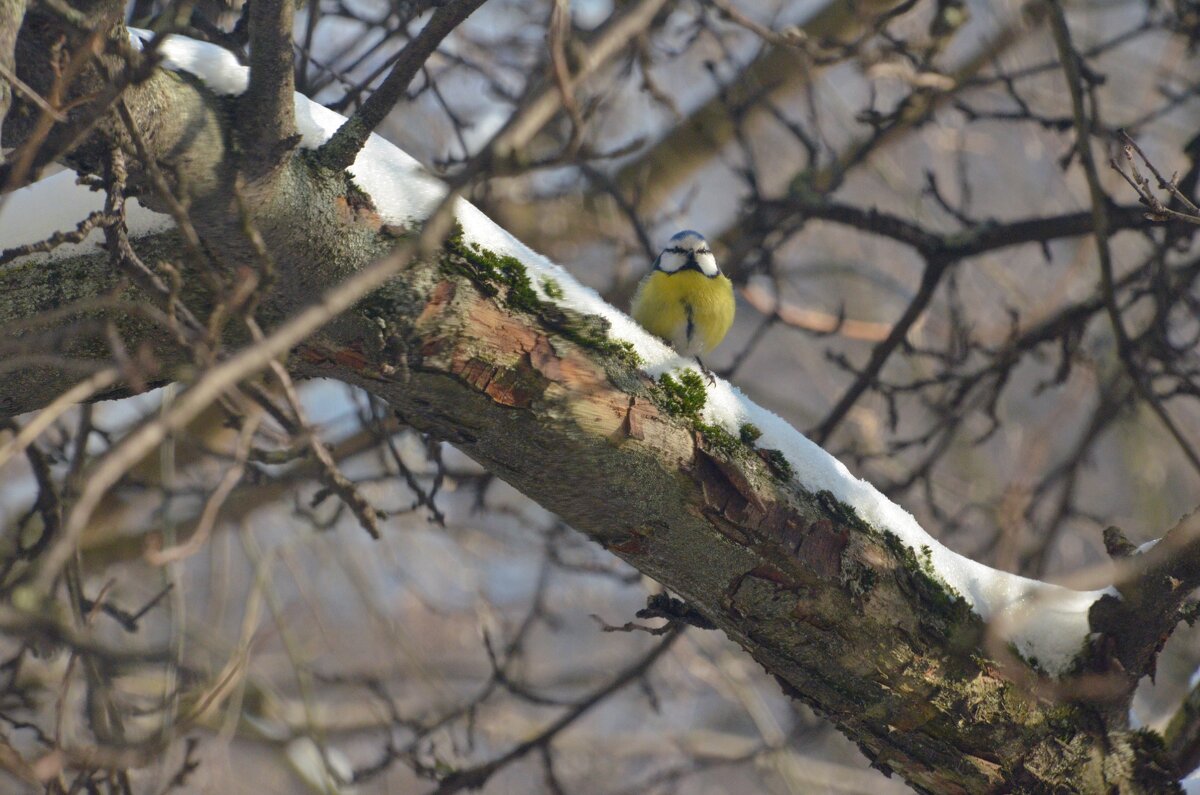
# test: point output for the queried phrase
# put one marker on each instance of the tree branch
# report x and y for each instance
(266, 111)
(930, 279)
(1182, 734)
(1153, 588)
(671, 161)
(339, 152)
(845, 618)
(475, 777)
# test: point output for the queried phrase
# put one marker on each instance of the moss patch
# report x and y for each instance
(841, 513)
(504, 276)
(949, 605)
(686, 394)
(749, 433)
(720, 439)
(777, 462)
(683, 397)
(551, 288)
(490, 271)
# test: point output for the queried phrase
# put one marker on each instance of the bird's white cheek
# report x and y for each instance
(671, 262)
(708, 264)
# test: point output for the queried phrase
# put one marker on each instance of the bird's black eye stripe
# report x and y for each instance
(675, 250)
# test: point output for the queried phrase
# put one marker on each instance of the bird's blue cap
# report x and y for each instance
(686, 233)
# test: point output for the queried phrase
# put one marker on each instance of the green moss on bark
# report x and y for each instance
(682, 397)
(505, 277)
(749, 433)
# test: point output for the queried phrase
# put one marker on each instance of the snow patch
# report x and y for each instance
(1045, 622)
(1191, 784)
(55, 204)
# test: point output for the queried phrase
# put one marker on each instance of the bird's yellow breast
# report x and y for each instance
(664, 302)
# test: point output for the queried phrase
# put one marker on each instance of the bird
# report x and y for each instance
(685, 299)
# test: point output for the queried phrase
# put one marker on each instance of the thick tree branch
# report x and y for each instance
(843, 616)
(184, 128)
(46, 134)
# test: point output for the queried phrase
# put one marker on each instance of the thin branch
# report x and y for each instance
(560, 26)
(26, 91)
(12, 13)
(340, 151)
(537, 110)
(930, 279)
(813, 320)
(76, 235)
(333, 477)
(79, 393)
(159, 556)
(1157, 210)
(1101, 228)
(267, 110)
(475, 777)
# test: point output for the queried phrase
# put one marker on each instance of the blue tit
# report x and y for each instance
(685, 299)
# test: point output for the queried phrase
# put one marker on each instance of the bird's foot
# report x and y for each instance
(709, 374)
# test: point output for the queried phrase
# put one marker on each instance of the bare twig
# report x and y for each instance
(1157, 210)
(158, 556)
(536, 110)
(1101, 230)
(82, 229)
(8, 74)
(77, 394)
(332, 476)
(930, 279)
(475, 777)
(560, 24)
